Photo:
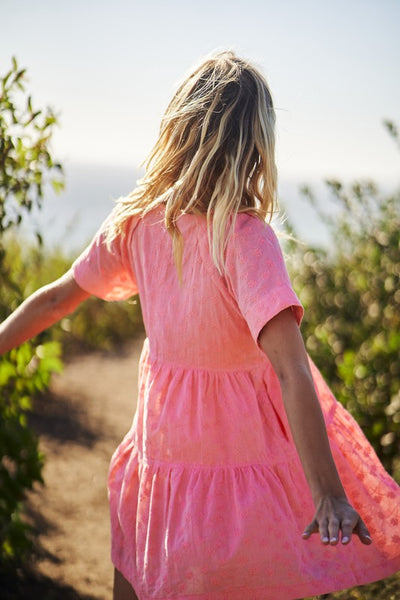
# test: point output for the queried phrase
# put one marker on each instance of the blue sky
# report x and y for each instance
(109, 69)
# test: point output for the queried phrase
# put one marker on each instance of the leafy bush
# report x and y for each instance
(99, 325)
(23, 373)
(352, 299)
(25, 159)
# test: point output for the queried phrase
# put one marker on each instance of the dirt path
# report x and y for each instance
(87, 413)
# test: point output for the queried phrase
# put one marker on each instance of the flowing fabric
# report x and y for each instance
(207, 494)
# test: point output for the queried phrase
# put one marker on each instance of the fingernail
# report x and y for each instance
(345, 539)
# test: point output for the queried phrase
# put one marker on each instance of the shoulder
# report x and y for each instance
(250, 230)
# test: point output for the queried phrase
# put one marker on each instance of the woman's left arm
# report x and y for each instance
(281, 341)
(43, 308)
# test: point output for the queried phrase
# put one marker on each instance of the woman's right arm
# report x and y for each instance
(43, 308)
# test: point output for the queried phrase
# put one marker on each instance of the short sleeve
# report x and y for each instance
(105, 270)
(256, 274)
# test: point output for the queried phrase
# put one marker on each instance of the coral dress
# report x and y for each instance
(207, 494)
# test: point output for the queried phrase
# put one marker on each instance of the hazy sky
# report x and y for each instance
(110, 67)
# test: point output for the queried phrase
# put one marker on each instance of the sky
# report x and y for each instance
(109, 68)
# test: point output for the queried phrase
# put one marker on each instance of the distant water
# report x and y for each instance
(70, 219)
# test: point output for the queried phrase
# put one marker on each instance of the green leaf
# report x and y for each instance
(5, 79)
(7, 370)
(20, 74)
(57, 185)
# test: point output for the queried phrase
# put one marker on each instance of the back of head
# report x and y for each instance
(215, 153)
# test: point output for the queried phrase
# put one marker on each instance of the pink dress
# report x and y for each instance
(207, 495)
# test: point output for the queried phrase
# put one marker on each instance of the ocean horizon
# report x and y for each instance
(69, 220)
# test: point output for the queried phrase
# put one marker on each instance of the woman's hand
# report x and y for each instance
(334, 516)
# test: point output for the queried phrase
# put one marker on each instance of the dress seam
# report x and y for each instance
(218, 466)
(159, 361)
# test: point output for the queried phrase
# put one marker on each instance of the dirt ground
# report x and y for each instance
(88, 411)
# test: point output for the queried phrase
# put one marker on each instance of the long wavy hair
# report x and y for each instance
(215, 154)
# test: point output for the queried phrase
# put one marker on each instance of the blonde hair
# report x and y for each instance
(215, 154)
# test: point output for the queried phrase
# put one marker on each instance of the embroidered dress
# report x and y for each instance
(207, 494)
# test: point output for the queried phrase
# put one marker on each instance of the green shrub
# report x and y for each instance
(25, 160)
(24, 372)
(352, 299)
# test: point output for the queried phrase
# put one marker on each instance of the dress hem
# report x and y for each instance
(301, 592)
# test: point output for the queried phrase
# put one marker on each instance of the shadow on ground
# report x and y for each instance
(55, 417)
(31, 586)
